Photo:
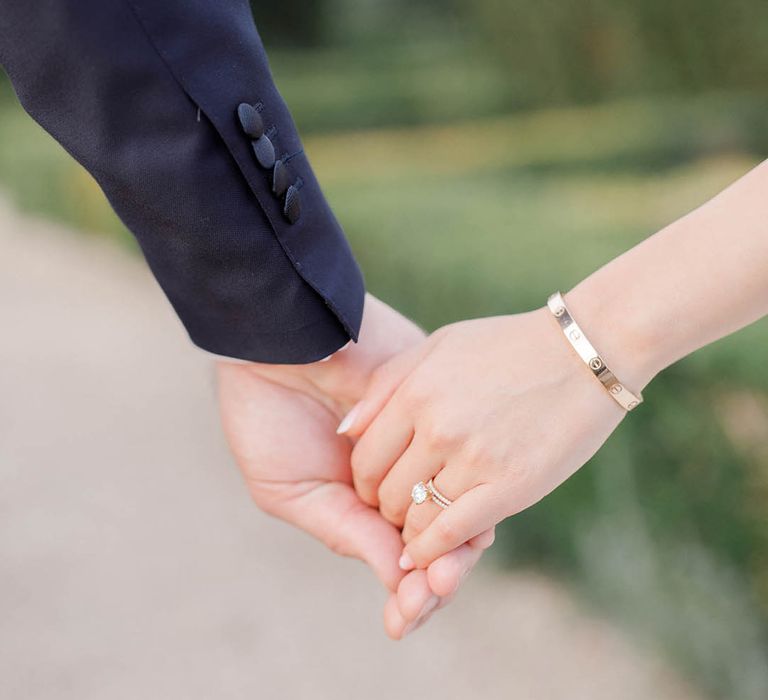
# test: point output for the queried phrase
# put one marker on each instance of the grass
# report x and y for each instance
(666, 528)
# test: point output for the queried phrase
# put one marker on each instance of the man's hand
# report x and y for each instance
(297, 468)
(280, 422)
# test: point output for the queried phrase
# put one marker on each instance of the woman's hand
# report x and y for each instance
(280, 420)
(499, 411)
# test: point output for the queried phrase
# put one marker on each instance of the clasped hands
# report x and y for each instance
(498, 410)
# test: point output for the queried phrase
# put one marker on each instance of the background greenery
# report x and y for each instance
(483, 154)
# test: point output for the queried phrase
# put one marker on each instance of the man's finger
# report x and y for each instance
(422, 592)
(333, 513)
(419, 588)
(394, 623)
(414, 595)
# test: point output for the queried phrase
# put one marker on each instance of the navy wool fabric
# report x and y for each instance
(145, 94)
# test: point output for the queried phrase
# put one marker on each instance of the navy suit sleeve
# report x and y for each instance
(145, 94)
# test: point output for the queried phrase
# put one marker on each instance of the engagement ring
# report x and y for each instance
(421, 492)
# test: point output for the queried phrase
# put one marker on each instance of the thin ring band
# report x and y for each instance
(438, 497)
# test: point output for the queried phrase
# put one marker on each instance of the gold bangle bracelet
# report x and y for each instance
(586, 351)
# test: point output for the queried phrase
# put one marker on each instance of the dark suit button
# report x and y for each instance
(250, 120)
(292, 209)
(265, 151)
(280, 178)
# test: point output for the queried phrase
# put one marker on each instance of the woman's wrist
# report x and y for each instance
(694, 282)
(627, 320)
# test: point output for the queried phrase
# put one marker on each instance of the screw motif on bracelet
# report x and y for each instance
(575, 336)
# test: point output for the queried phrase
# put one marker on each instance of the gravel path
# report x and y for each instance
(132, 564)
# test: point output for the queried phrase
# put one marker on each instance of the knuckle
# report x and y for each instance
(443, 429)
(415, 523)
(414, 394)
(388, 505)
(366, 477)
(360, 465)
(439, 436)
(366, 486)
(390, 513)
(479, 454)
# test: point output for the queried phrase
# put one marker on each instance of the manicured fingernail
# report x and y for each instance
(349, 419)
(429, 606)
(406, 563)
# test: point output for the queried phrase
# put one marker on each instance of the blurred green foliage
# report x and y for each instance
(500, 55)
(518, 146)
(577, 50)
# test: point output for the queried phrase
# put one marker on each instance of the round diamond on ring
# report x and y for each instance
(419, 493)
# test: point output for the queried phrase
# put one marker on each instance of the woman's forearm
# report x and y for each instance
(697, 280)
